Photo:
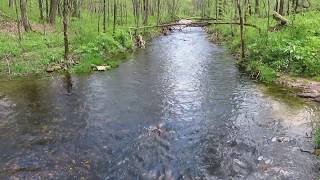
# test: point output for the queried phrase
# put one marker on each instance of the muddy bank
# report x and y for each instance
(302, 87)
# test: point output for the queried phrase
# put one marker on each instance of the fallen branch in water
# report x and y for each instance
(195, 24)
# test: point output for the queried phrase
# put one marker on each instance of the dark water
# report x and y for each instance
(178, 110)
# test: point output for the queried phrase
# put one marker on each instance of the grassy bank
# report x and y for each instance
(292, 50)
(43, 48)
(37, 52)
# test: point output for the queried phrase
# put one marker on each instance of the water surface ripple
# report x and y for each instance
(179, 109)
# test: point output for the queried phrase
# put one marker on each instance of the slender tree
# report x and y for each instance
(53, 11)
(104, 17)
(241, 29)
(24, 17)
(114, 15)
(65, 29)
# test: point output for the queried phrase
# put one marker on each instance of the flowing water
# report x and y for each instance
(179, 109)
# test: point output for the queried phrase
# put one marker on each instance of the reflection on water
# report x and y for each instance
(178, 110)
(67, 83)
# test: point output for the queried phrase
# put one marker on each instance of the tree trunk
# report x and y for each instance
(241, 30)
(76, 8)
(47, 9)
(158, 12)
(53, 11)
(18, 21)
(146, 11)
(281, 7)
(41, 9)
(11, 2)
(104, 16)
(257, 8)
(276, 7)
(65, 29)
(114, 15)
(24, 17)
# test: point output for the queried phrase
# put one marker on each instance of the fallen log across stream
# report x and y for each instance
(195, 24)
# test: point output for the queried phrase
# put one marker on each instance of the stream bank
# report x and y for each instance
(286, 57)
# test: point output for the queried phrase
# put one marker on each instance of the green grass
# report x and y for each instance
(36, 52)
(293, 50)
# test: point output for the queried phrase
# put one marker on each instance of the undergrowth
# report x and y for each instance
(293, 50)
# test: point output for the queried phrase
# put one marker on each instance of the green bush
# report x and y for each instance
(124, 39)
(293, 50)
(106, 45)
(262, 72)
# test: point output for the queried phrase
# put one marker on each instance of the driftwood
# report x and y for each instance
(194, 24)
(282, 21)
(140, 42)
(204, 19)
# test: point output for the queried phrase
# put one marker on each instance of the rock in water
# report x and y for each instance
(102, 68)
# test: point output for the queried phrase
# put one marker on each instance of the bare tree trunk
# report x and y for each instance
(276, 7)
(76, 8)
(108, 6)
(53, 11)
(18, 22)
(47, 9)
(158, 12)
(65, 29)
(146, 11)
(24, 16)
(114, 15)
(288, 7)
(281, 7)
(41, 9)
(11, 2)
(257, 8)
(217, 13)
(104, 16)
(241, 30)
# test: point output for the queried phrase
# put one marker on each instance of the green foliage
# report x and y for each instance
(292, 50)
(262, 72)
(105, 44)
(100, 50)
(85, 66)
(124, 39)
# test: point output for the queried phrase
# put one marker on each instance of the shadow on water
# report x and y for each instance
(176, 110)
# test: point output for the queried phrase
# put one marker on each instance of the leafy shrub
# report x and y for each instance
(262, 72)
(124, 39)
(106, 45)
